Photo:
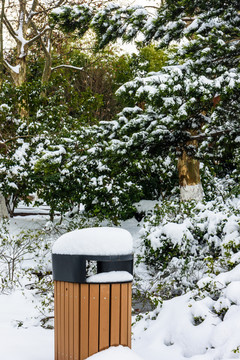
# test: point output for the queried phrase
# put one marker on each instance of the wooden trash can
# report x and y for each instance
(92, 313)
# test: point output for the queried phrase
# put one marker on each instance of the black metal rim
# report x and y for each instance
(72, 268)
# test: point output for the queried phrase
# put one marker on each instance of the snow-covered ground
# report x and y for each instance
(185, 327)
(23, 342)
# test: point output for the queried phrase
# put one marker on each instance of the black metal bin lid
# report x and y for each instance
(72, 268)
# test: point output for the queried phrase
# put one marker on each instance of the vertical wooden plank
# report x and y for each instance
(84, 325)
(76, 321)
(66, 326)
(71, 320)
(55, 320)
(93, 318)
(62, 319)
(104, 316)
(115, 315)
(129, 314)
(124, 315)
(58, 310)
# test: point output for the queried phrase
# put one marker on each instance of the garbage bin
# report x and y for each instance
(93, 312)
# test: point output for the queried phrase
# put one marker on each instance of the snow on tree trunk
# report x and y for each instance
(28, 32)
(189, 178)
(3, 208)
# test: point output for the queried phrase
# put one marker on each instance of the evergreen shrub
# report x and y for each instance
(183, 242)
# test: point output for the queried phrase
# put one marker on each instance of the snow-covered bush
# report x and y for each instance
(182, 242)
(42, 132)
(21, 252)
(25, 264)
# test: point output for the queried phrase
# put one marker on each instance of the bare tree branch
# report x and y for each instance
(16, 138)
(11, 68)
(68, 67)
(212, 134)
(30, 42)
(34, 26)
(60, 2)
(32, 11)
(10, 28)
(151, 7)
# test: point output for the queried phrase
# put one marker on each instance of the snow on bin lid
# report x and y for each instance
(110, 277)
(103, 241)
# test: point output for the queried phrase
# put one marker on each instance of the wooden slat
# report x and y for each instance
(76, 321)
(115, 315)
(84, 299)
(62, 320)
(104, 316)
(56, 326)
(124, 315)
(58, 312)
(66, 326)
(93, 318)
(129, 314)
(71, 320)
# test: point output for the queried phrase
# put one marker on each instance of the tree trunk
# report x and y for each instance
(47, 66)
(22, 48)
(3, 208)
(189, 177)
(48, 59)
(21, 77)
(47, 70)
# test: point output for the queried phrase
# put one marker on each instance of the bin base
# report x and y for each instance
(90, 318)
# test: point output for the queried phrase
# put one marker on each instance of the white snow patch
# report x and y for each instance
(26, 342)
(146, 205)
(110, 277)
(227, 277)
(191, 192)
(176, 232)
(116, 353)
(95, 241)
(232, 292)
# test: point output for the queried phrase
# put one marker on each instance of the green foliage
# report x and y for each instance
(196, 91)
(47, 151)
(63, 156)
(198, 320)
(78, 18)
(236, 350)
(183, 242)
(148, 59)
(107, 165)
(9, 117)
